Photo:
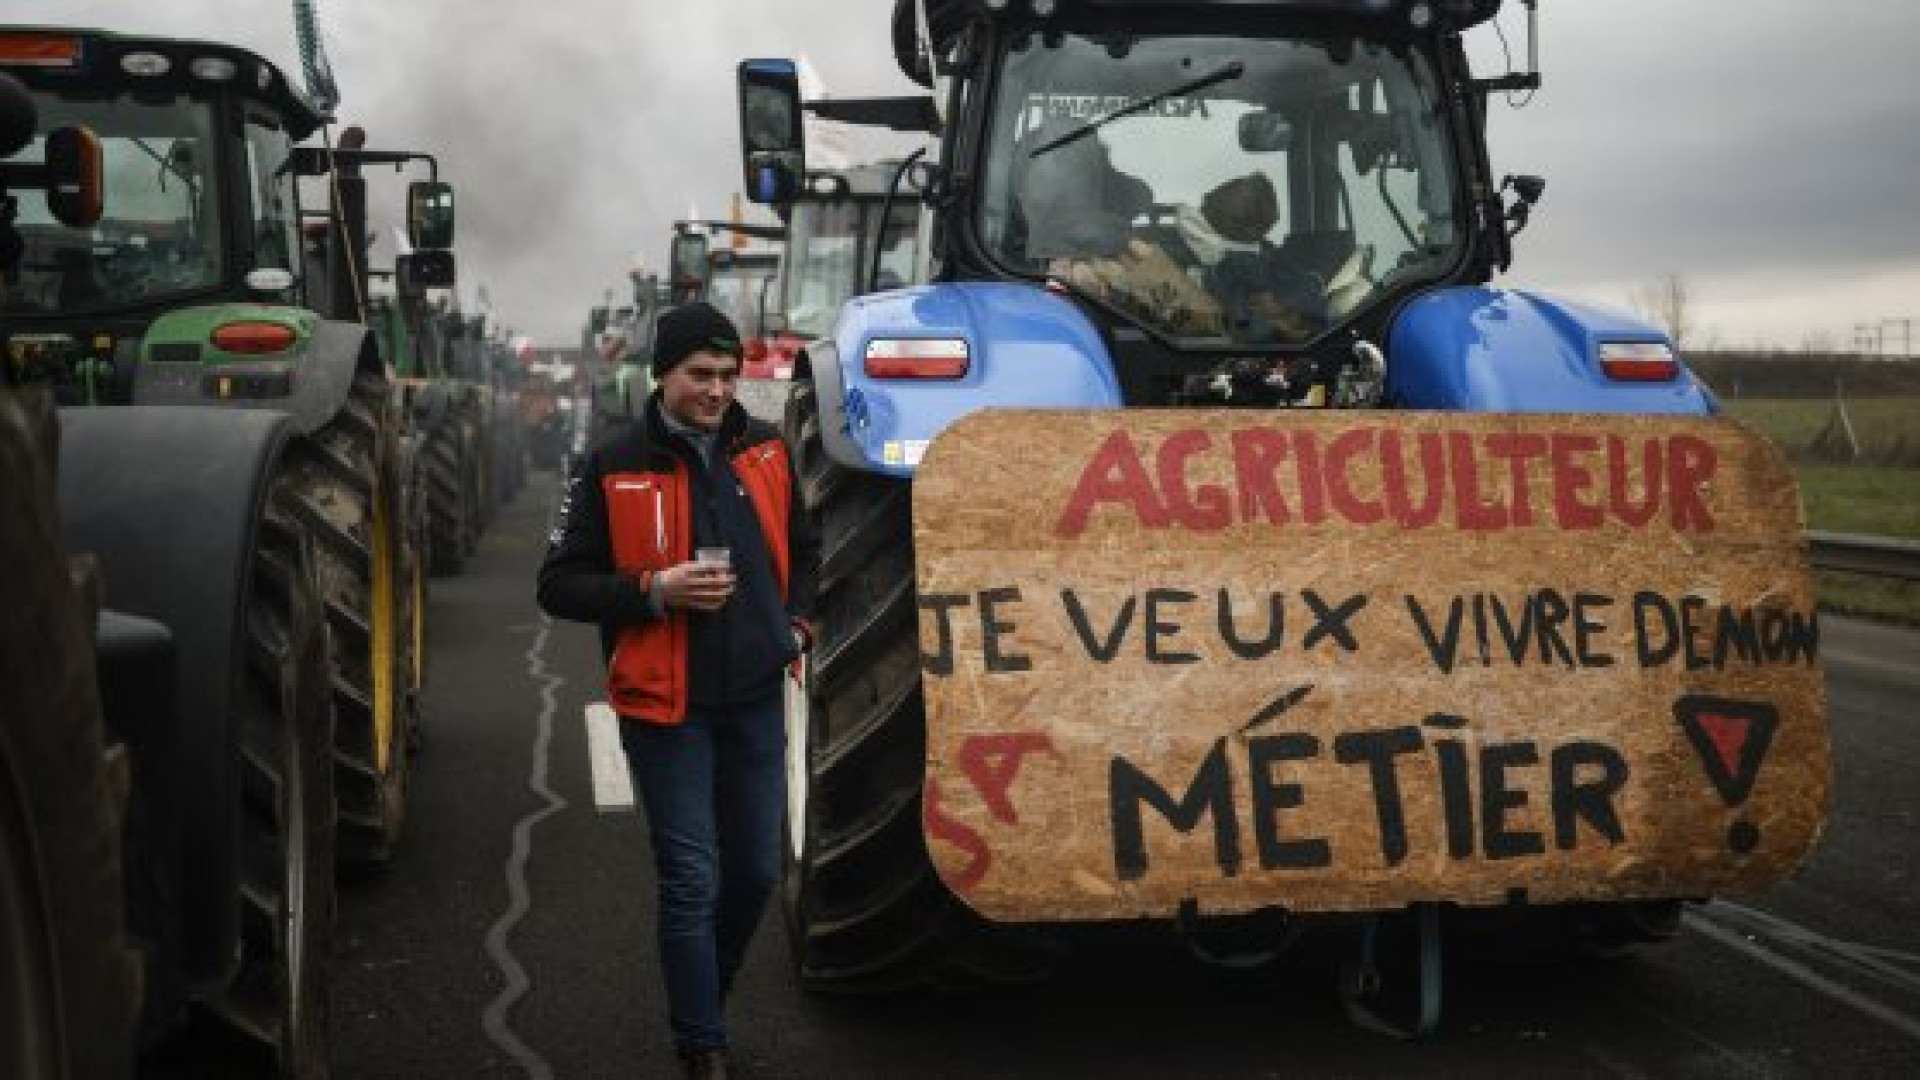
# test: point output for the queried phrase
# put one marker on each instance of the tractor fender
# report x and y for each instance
(1502, 350)
(139, 670)
(1026, 348)
(310, 382)
(170, 504)
(339, 351)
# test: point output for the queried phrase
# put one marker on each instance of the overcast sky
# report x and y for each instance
(1766, 151)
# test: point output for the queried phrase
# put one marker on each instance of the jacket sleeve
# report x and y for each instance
(803, 547)
(577, 578)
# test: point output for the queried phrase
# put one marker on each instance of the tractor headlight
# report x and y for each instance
(213, 68)
(145, 64)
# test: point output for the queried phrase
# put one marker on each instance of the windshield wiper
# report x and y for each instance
(1226, 72)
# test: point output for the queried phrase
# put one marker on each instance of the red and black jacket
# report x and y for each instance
(643, 501)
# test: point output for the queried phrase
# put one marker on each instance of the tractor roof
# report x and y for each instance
(49, 55)
(947, 18)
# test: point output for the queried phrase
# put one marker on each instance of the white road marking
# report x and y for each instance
(1832, 988)
(612, 783)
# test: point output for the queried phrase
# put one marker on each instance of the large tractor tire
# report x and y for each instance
(509, 456)
(485, 459)
(69, 981)
(865, 910)
(448, 520)
(472, 473)
(343, 481)
(416, 550)
(274, 1009)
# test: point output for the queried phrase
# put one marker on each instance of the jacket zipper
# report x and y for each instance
(659, 521)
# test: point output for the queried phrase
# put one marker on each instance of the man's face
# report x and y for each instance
(697, 390)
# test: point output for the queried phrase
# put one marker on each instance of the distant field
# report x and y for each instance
(1873, 500)
(1879, 423)
(1877, 502)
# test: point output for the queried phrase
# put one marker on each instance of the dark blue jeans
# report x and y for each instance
(714, 790)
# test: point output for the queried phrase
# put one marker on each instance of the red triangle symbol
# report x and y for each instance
(1729, 735)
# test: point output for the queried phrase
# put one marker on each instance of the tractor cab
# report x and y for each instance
(1219, 190)
(202, 206)
(189, 212)
(848, 233)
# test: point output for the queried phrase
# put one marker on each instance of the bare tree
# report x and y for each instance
(1668, 305)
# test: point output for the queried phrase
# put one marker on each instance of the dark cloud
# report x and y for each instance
(1713, 138)
(1718, 138)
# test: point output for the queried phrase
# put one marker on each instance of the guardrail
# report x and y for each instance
(1882, 556)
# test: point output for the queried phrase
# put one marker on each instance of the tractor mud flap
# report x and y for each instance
(1340, 661)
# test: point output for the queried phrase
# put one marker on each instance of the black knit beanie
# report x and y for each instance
(685, 330)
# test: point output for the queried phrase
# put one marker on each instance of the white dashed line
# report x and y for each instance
(612, 783)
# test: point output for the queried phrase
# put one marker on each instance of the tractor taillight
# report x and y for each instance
(40, 50)
(916, 358)
(254, 337)
(1638, 361)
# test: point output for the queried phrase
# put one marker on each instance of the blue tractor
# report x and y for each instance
(1240, 212)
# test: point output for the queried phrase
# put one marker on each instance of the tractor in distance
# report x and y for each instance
(618, 340)
(737, 279)
(1210, 544)
(836, 248)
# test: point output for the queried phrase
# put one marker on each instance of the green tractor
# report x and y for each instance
(469, 362)
(207, 285)
(167, 777)
(502, 376)
(619, 343)
(444, 423)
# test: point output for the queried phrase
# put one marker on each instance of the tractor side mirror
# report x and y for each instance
(1527, 190)
(69, 176)
(1265, 132)
(430, 215)
(73, 177)
(772, 139)
(688, 260)
(418, 271)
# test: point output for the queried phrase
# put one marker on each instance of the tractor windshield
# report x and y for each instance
(160, 233)
(1229, 191)
(739, 289)
(823, 255)
(829, 252)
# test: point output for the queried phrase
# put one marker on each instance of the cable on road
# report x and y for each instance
(494, 1019)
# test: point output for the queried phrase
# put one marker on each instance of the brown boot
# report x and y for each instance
(709, 1063)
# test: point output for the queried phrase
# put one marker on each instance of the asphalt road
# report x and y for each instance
(511, 937)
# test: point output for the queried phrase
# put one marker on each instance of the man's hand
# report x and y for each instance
(696, 586)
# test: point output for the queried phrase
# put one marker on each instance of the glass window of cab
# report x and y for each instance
(1230, 190)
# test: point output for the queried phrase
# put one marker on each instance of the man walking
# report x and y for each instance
(684, 538)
